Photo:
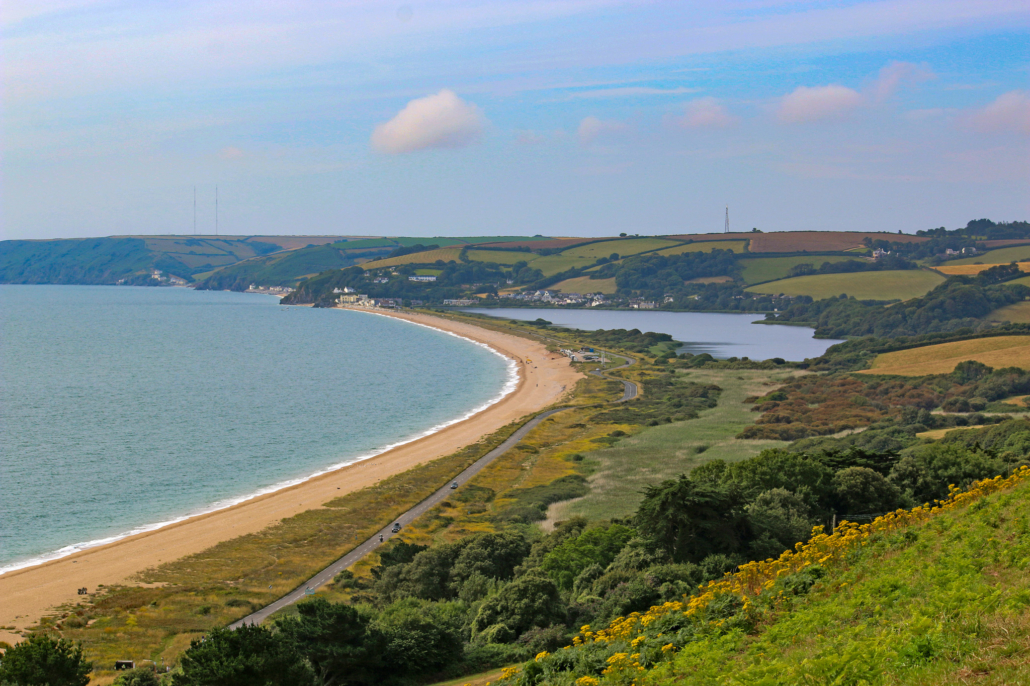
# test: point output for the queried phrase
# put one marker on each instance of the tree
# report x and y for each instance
(531, 600)
(779, 519)
(421, 637)
(248, 656)
(494, 556)
(44, 661)
(860, 490)
(692, 521)
(336, 640)
(596, 546)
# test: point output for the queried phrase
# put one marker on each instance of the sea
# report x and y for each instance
(124, 409)
(720, 335)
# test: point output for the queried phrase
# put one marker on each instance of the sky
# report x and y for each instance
(487, 117)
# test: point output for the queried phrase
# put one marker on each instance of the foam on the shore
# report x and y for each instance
(508, 388)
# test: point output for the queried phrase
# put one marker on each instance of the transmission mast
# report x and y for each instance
(216, 211)
(726, 229)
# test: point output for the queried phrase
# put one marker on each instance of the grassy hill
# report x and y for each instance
(889, 285)
(998, 352)
(761, 269)
(1000, 256)
(926, 596)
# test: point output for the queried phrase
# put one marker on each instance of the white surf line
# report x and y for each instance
(509, 387)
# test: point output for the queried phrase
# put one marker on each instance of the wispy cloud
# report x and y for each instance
(436, 121)
(592, 128)
(896, 75)
(1008, 113)
(806, 104)
(705, 112)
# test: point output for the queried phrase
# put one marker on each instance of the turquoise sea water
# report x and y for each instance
(122, 408)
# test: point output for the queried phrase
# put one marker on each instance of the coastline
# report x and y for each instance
(29, 592)
(510, 385)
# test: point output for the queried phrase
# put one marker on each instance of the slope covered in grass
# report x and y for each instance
(886, 285)
(998, 351)
(928, 596)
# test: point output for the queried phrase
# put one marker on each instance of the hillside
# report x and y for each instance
(928, 596)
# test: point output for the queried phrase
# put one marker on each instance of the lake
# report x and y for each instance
(720, 335)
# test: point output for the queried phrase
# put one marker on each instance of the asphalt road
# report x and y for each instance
(351, 558)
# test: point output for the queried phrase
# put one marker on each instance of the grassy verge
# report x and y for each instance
(661, 452)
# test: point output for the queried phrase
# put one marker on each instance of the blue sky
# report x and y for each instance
(560, 117)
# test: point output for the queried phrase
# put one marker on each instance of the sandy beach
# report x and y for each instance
(27, 594)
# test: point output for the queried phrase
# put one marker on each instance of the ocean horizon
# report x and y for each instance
(127, 409)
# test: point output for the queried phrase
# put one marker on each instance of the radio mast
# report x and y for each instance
(216, 211)
(194, 210)
(727, 227)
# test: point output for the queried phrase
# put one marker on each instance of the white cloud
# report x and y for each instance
(1009, 113)
(592, 128)
(436, 121)
(897, 74)
(820, 102)
(705, 113)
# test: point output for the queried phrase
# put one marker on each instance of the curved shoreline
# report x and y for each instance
(30, 591)
(509, 387)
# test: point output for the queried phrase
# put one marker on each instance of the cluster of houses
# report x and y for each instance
(558, 298)
(361, 300)
(269, 290)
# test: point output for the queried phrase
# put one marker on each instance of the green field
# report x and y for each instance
(762, 269)
(625, 247)
(887, 285)
(999, 256)
(584, 284)
(427, 257)
(1017, 314)
(662, 452)
(706, 246)
(553, 264)
(500, 256)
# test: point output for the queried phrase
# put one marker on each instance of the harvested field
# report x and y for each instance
(887, 285)
(698, 237)
(706, 246)
(1018, 313)
(1000, 256)
(584, 284)
(550, 244)
(971, 269)
(624, 246)
(762, 269)
(997, 352)
(427, 257)
(820, 241)
(500, 256)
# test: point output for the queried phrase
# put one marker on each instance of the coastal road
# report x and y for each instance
(351, 558)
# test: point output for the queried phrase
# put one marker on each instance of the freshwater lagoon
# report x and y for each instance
(720, 335)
